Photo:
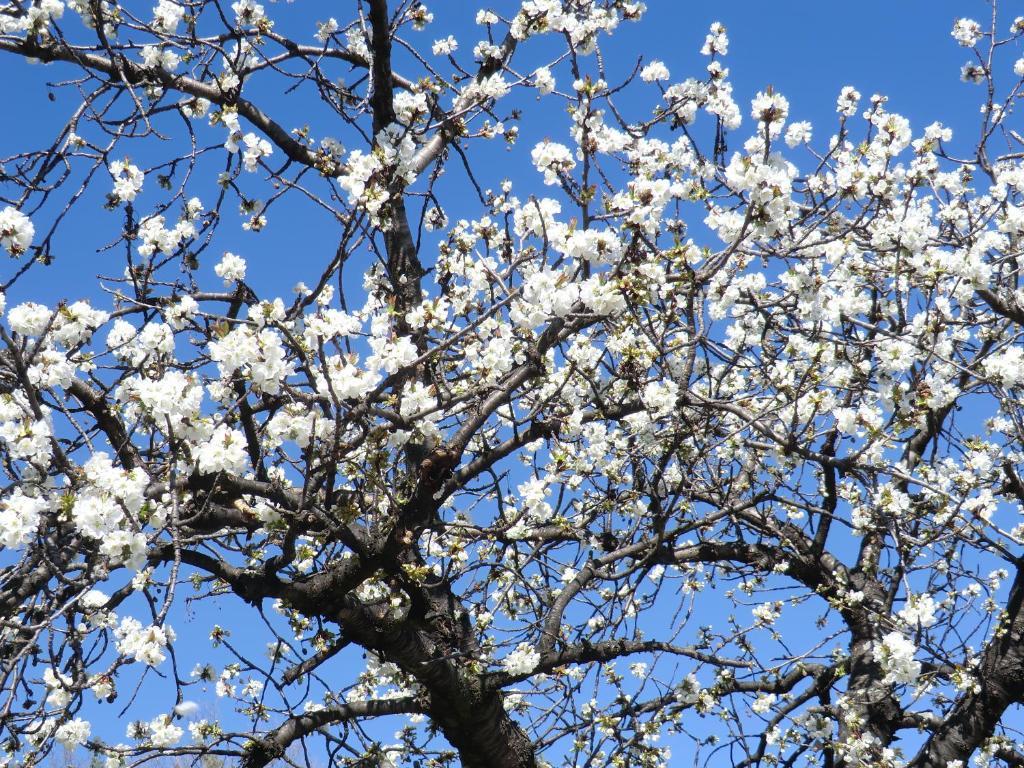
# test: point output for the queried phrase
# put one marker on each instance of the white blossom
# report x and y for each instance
(16, 231)
(145, 644)
(654, 72)
(967, 32)
(231, 268)
(544, 81)
(522, 660)
(224, 451)
(895, 654)
(73, 733)
(445, 47)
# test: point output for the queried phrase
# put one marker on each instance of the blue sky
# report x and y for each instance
(806, 50)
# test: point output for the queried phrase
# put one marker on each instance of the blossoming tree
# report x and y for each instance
(674, 445)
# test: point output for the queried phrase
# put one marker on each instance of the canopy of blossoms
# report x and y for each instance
(701, 437)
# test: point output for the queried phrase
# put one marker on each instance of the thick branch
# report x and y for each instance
(274, 744)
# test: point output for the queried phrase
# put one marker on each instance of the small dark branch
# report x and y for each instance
(275, 743)
(136, 73)
(608, 650)
(112, 427)
(308, 665)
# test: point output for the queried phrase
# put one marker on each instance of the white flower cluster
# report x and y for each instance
(19, 518)
(329, 324)
(179, 313)
(865, 749)
(58, 687)
(196, 108)
(248, 13)
(167, 16)
(660, 398)
(771, 110)
(348, 380)
(601, 296)
(1006, 367)
(767, 614)
(144, 644)
(294, 422)
(369, 177)
(768, 183)
(546, 293)
(159, 732)
(231, 268)
(763, 703)
(654, 72)
(391, 355)
(99, 509)
(324, 29)
(798, 133)
(160, 57)
(128, 180)
(523, 660)
(818, 726)
(171, 401)
(967, 32)
(891, 501)
(895, 654)
(84, 8)
(255, 147)
(379, 680)
(688, 692)
(715, 95)
(644, 201)
(410, 107)
(16, 231)
(846, 104)
(259, 354)
(716, 42)
(70, 327)
(445, 47)
(73, 733)
(418, 405)
(593, 245)
(155, 237)
(544, 81)
(533, 508)
(153, 341)
(34, 20)
(75, 324)
(537, 17)
(552, 159)
(919, 611)
(685, 98)
(491, 357)
(490, 88)
(27, 438)
(224, 451)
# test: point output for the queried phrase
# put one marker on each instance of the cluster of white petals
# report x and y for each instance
(16, 231)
